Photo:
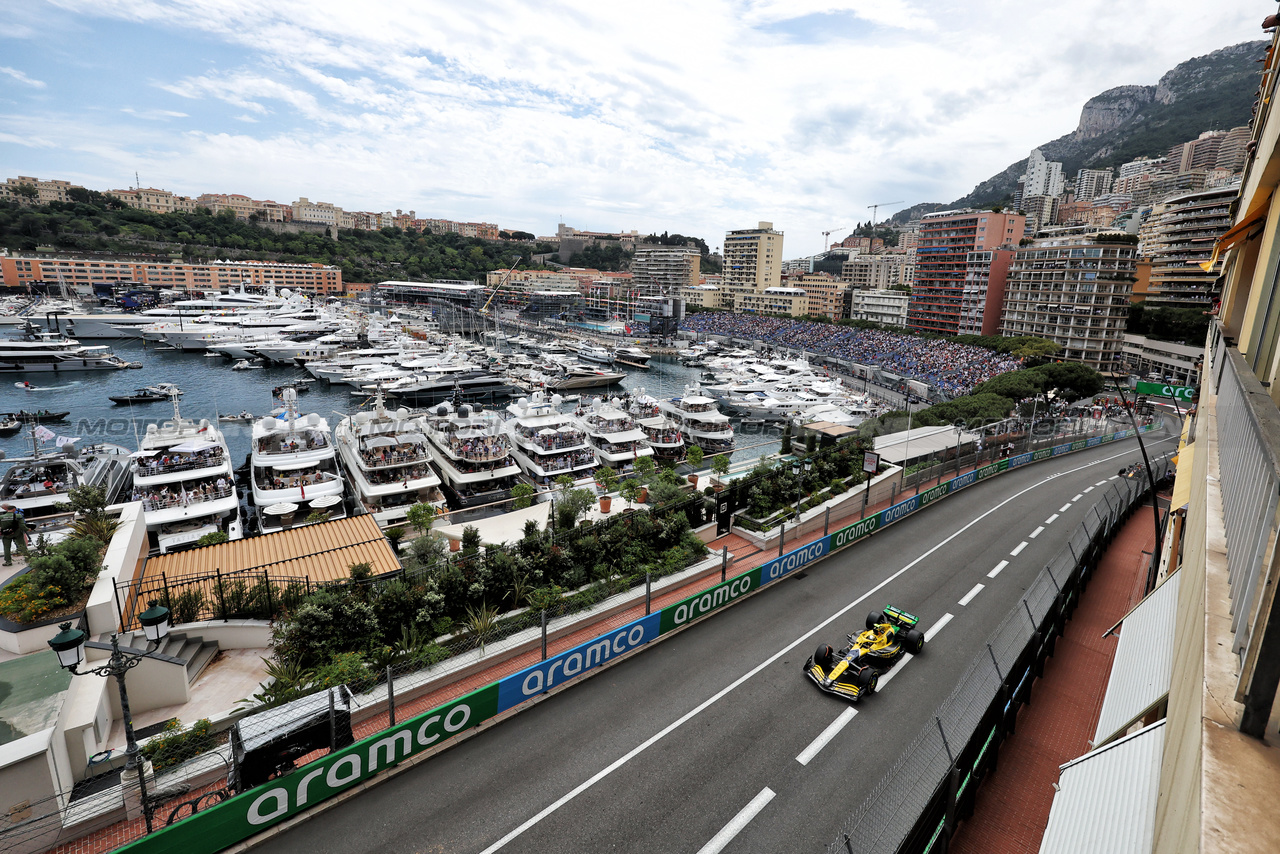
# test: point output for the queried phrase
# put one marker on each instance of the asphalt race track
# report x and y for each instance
(714, 739)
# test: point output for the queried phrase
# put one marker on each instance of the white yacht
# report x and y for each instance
(43, 352)
(593, 353)
(38, 483)
(700, 420)
(662, 433)
(183, 476)
(633, 356)
(546, 442)
(128, 325)
(472, 454)
(294, 468)
(613, 433)
(385, 456)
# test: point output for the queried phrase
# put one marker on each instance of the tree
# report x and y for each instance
(630, 490)
(523, 494)
(720, 464)
(645, 468)
(1070, 380)
(694, 456)
(607, 478)
(421, 515)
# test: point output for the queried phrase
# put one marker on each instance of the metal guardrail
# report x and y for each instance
(1249, 463)
(917, 804)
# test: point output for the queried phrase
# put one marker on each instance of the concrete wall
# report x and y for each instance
(31, 812)
(233, 634)
(126, 554)
(152, 683)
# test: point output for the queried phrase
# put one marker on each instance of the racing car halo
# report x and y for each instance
(855, 670)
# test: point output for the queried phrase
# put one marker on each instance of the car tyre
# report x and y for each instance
(822, 656)
(874, 619)
(914, 642)
(866, 678)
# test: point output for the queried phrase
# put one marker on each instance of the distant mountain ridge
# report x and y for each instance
(1211, 92)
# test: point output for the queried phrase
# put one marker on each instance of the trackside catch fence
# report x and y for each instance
(917, 804)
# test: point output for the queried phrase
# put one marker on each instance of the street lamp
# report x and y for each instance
(69, 646)
(795, 470)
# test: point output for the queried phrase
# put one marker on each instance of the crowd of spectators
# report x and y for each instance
(950, 368)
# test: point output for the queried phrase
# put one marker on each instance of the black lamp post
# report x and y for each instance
(795, 470)
(69, 646)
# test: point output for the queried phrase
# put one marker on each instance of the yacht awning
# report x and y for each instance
(411, 438)
(294, 466)
(1144, 659)
(1106, 800)
(193, 447)
(380, 442)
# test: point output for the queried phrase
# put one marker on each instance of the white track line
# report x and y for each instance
(815, 746)
(1079, 495)
(968, 597)
(741, 820)
(1088, 490)
(1064, 508)
(726, 690)
(1101, 483)
(1114, 477)
(1018, 549)
(893, 671)
(1037, 532)
(1001, 565)
(937, 627)
(1051, 519)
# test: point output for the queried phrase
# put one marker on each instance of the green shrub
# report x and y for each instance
(187, 605)
(25, 601)
(345, 668)
(330, 622)
(176, 745)
(213, 538)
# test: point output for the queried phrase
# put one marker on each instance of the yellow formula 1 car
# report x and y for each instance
(855, 669)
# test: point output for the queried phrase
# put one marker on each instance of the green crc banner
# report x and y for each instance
(1177, 392)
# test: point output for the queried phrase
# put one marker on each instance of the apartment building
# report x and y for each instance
(1179, 239)
(775, 300)
(1073, 290)
(942, 262)
(874, 272)
(826, 293)
(1091, 183)
(888, 308)
(658, 270)
(155, 200)
(219, 275)
(982, 299)
(46, 191)
(305, 210)
(752, 264)
(244, 207)
(628, 239)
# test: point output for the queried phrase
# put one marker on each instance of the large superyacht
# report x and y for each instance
(294, 468)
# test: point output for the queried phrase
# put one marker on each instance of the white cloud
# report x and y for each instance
(154, 114)
(22, 78)
(695, 118)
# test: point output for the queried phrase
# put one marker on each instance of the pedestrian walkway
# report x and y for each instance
(1011, 809)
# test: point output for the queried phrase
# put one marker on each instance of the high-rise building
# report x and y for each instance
(1073, 290)
(825, 293)
(984, 287)
(1091, 183)
(1199, 153)
(658, 270)
(752, 263)
(1234, 149)
(946, 239)
(1040, 211)
(1179, 239)
(888, 308)
(1043, 177)
(874, 272)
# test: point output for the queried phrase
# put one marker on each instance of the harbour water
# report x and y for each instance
(211, 388)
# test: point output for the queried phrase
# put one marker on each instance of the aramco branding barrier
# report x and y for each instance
(915, 807)
(238, 818)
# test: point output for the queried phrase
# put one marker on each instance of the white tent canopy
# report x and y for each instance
(193, 446)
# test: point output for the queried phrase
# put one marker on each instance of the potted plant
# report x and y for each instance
(694, 457)
(607, 480)
(644, 468)
(720, 466)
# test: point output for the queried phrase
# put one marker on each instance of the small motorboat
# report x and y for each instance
(149, 394)
(35, 417)
(10, 427)
(245, 365)
(243, 417)
(26, 386)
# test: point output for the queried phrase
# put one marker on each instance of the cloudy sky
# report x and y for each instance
(693, 117)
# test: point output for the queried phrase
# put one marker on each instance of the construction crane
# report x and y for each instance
(826, 236)
(511, 268)
(874, 208)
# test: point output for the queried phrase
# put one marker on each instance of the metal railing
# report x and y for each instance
(1249, 466)
(917, 804)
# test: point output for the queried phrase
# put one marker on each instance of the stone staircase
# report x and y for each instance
(193, 653)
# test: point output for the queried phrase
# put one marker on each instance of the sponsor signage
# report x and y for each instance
(532, 681)
(686, 611)
(1096, 440)
(1177, 392)
(1079, 444)
(931, 495)
(856, 531)
(870, 462)
(1020, 460)
(225, 824)
(1059, 450)
(889, 515)
(1045, 453)
(966, 479)
(780, 566)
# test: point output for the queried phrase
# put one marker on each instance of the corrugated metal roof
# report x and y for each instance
(1144, 659)
(1106, 800)
(321, 552)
